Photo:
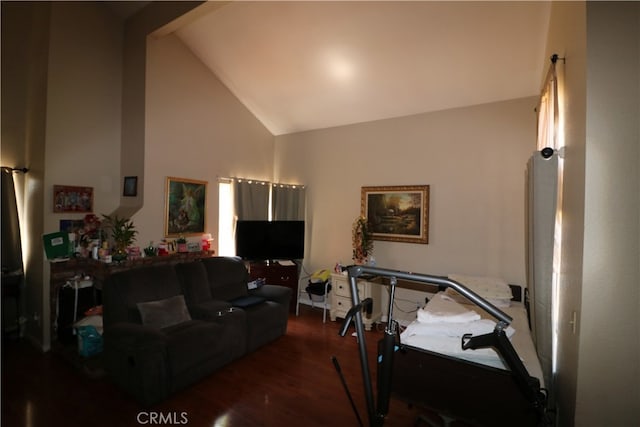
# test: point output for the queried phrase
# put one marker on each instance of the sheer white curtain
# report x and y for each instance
(544, 227)
(548, 111)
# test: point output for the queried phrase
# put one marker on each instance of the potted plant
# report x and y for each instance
(362, 240)
(123, 233)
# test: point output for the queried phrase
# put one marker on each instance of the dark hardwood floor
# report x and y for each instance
(290, 382)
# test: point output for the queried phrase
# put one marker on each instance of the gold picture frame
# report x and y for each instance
(185, 207)
(397, 213)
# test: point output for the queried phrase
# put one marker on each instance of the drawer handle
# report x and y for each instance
(284, 278)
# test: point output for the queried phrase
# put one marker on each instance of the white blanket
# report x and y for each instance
(446, 337)
(442, 309)
(454, 330)
(441, 324)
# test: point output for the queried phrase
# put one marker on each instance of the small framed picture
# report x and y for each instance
(68, 198)
(130, 186)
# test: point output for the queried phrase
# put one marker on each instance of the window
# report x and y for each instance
(550, 134)
(226, 243)
(290, 201)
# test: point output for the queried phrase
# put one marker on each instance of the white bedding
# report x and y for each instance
(434, 333)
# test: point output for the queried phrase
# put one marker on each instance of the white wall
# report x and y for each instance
(83, 113)
(473, 158)
(25, 43)
(195, 129)
(598, 374)
(567, 38)
(84, 104)
(609, 362)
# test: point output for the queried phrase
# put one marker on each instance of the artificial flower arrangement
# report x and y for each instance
(88, 236)
(362, 241)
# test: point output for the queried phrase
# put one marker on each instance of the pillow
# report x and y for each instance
(496, 291)
(164, 313)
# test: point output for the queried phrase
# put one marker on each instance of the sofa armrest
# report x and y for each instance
(135, 339)
(209, 310)
(276, 293)
(136, 358)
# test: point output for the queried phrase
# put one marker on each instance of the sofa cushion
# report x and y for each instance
(194, 281)
(123, 290)
(164, 313)
(228, 277)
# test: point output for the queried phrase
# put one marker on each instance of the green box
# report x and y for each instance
(56, 245)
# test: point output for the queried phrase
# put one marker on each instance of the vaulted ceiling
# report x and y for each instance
(301, 65)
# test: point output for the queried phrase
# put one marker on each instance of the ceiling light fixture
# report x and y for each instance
(341, 69)
(339, 66)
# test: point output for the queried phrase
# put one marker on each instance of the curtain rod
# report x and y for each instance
(259, 181)
(23, 170)
(554, 58)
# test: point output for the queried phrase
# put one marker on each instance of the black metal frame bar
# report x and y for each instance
(497, 340)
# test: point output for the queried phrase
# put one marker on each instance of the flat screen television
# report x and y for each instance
(270, 240)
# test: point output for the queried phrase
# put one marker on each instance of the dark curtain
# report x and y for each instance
(11, 246)
(288, 202)
(251, 200)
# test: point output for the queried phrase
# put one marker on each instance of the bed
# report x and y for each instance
(496, 380)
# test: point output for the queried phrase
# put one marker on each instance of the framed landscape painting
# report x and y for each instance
(185, 207)
(397, 213)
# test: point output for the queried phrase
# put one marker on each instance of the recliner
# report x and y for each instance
(266, 321)
(150, 363)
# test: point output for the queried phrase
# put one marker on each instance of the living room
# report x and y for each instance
(473, 157)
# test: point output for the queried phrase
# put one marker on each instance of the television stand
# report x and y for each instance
(275, 273)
